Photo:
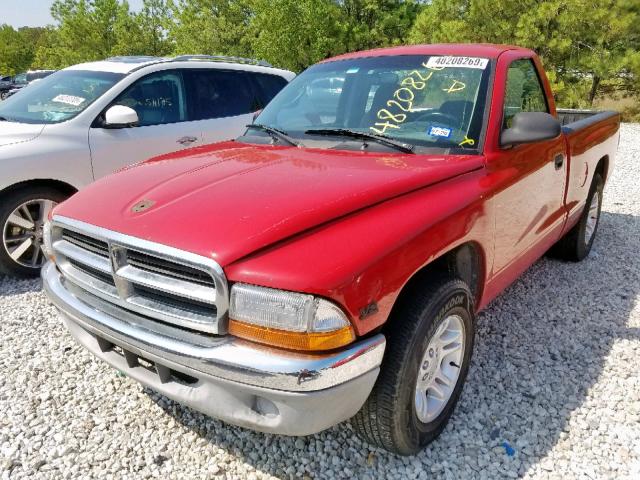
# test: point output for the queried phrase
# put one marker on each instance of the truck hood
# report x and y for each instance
(12, 132)
(228, 200)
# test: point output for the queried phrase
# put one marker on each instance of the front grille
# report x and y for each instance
(175, 301)
(96, 246)
(170, 269)
(93, 272)
(147, 279)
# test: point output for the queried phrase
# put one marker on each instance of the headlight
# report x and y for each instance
(287, 319)
(47, 246)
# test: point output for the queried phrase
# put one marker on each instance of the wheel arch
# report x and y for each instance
(603, 167)
(465, 261)
(62, 187)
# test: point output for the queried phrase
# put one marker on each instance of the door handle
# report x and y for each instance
(187, 140)
(558, 161)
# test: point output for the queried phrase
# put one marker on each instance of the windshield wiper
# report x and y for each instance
(275, 133)
(4, 119)
(346, 132)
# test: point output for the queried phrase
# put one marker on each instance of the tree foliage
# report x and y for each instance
(583, 43)
(295, 33)
(145, 32)
(18, 48)
(377, 23)
(590, 47)
(210, 27)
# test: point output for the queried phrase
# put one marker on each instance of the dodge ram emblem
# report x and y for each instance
(142, 205)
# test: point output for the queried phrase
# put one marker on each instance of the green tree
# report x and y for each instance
(210, 27)
(145, 32)
(377, 23)
(294, 34)
(48, 53)
(86, 31)
(17, 48)
(584, 44)
(605, 54)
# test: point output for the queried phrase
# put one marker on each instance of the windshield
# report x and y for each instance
(58, 97)
(38, 75)
(431, 101)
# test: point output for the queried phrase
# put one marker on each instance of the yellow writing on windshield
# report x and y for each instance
(467, 141)
(456, 86)
(383, 127)
(402, 99)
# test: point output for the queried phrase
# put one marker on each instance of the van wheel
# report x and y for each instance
(22, 216)
(424, 368)
(577, 243)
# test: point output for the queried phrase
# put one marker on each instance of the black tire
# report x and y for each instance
(388, 419)
(575, 245)
(8, 203)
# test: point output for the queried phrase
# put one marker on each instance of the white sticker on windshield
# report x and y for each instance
(435, 131)
(69, 99)
(457, 62)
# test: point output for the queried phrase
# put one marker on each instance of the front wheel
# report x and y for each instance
(426, 362)
(22, 216)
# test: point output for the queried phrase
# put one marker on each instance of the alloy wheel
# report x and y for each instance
(22, 232)
(439, 369)
(592, 217)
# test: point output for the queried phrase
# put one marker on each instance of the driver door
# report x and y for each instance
(529, 211)
(159, 99)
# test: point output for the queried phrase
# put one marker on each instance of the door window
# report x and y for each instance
(524, 92)
(269, 85)
(220, 93)
(20, 79)
(157, 98)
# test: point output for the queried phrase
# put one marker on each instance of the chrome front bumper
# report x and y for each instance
(258, 387)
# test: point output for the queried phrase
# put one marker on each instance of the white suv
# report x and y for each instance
(86, 121)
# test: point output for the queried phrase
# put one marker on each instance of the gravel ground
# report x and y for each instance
(553, 390)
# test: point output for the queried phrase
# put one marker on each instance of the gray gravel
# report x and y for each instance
(555, 376)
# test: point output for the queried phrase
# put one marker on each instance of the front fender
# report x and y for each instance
(50, 156)
(368, 256)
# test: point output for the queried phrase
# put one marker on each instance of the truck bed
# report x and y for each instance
(592, 136)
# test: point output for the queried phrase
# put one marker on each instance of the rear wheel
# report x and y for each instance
(22, 216)
(424, 369)
(577, 243)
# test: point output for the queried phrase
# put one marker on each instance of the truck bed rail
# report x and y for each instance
(576, 118)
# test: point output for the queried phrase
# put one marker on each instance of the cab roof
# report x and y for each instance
(484, 50)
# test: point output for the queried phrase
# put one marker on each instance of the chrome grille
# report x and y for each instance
(181, 272)
(145, 278)
(82, 241)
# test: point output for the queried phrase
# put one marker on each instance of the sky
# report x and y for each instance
(34, 13)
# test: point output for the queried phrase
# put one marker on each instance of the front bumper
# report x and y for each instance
(242, 383)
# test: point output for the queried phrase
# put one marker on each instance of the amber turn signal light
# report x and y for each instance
(306, 341)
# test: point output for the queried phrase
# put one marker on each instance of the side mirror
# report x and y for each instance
(530, 127)
(119, 116)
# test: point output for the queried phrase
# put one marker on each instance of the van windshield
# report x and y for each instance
(58, 97)
(431, 101)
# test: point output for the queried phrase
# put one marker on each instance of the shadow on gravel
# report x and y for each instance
(540, 347)
(15, 286)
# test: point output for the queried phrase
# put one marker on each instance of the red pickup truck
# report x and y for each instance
(329, 263)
